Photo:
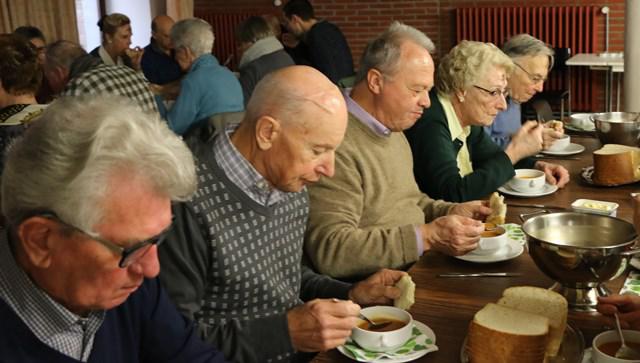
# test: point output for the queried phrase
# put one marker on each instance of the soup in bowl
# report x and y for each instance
(491, 240)
(527, 181)
(607, 343)
(389, 337)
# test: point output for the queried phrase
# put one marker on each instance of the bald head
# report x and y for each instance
(294, 95)
(161, 30)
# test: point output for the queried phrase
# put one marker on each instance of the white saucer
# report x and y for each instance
(569, 150)
(512, 250)
(548, 189)
(586, 358)
(407, 358)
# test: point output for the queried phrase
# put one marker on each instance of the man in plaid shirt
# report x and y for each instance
(72, 72)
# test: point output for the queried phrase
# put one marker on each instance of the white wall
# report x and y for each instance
(87, 14)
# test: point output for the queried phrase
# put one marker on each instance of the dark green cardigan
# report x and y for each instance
(435, 159)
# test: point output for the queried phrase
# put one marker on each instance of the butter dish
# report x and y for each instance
(595, 207)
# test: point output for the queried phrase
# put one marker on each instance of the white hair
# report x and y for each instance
(195, 34)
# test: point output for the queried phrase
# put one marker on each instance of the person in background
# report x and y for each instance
(233, 261)
(453, 158)
(371, 215)
(208, 88)
(38, 40)
(116, 40)
(532, 59)
(72, 72)
(327, 49)
(158, 62)
(261, 52)
(20, 78)
(87, 196)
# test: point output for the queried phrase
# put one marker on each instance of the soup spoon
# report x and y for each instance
(373, 325)
(624, 352)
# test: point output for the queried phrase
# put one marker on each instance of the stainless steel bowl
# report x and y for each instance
(617, 127)
(580, 250)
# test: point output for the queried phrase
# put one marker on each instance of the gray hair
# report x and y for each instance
(464, 65)
(253, 29)
(524, 45)
(63, 53)
(195, 34)
(63, 160)
(383, 52)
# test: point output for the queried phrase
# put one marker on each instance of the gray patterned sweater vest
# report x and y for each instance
(255, 250)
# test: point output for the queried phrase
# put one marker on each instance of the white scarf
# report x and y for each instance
(258, 49)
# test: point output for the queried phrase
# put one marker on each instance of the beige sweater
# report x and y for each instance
(364, 218)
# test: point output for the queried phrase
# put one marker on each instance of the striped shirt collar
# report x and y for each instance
(365, 117)
(240, 171)
(50, 322)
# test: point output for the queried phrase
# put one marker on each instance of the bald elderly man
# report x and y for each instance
(233, 258)
(158, 63)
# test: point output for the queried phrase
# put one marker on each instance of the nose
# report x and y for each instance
(538, 86)
(502, 102)
(148, 265)
(424, 100)
(327, 167)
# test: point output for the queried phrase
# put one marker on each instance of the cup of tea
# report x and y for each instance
(389, 337)
(527, 181)
(560, 144)
(607, 343)
(491, 240)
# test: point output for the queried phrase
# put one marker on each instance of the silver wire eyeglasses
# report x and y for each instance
(535, 78)
(495, 93)
(128, 255)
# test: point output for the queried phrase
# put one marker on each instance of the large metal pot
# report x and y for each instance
(580, 250)
(617, 127)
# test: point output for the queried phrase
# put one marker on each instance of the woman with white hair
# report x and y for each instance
(532, 59)
(454, 159)
(208, 88)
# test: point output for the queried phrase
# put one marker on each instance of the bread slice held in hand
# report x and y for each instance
(498, 209)
(407, 293)
(615, 164)
(542, 302)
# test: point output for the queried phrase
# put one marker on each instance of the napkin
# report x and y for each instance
(417, 343)
(514, 232)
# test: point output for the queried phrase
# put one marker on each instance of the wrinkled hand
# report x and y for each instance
(454, 235)
(549, 136)
(135, 55)
(378, 288)
(628, 307)
(555, 174)
(526, 142)
(476, 209)
(321, 324)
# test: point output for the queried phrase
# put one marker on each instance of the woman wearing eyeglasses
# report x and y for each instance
(454, 159)
(532, 59)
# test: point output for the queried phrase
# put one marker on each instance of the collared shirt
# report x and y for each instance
(457, 132)
(50, 322)
(113, 80)
(241, 172)
(106, 58)
(364, 116)
(380, 129)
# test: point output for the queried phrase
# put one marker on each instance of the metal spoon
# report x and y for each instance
(373, 325)
(624, 352)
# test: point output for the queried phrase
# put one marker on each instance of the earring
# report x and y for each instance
(461, 99)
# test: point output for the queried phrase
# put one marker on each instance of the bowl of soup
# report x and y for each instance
(491, 240)
(607, 343)
(389, 337)
(527, 181)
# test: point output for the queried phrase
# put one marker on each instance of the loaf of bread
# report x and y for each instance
(615, 164)
(500, 334)
(542, 302)
(498, 209)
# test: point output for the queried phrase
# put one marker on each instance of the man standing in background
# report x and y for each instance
(158, 63)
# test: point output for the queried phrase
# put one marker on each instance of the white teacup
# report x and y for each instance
(491, 241)
(560, 144)
(383, 341)
(527, 181)
(598, 356)
(582, 121)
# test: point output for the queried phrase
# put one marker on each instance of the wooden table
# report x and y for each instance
(447, 305)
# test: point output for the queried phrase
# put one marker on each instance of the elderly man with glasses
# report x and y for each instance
(454, 159)
(87, 199)
(532, 59)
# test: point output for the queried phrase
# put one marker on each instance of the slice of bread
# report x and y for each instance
(500, 334)
(616, 164)
(542, 302)
(498, 209)
(407, 293)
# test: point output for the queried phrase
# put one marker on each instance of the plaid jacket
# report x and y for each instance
(115, 80)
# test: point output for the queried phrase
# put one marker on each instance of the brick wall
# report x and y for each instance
(360, 20)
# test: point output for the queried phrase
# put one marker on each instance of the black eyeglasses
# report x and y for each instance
(495, 93)
(129, 254)
(535, 78)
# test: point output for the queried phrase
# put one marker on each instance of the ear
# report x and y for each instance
(267, 131)
(375, 81)
(460, 95)
(35, 237)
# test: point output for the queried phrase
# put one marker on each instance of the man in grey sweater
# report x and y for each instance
(233, 259)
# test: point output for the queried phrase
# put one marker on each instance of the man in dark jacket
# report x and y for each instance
(326, 47)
